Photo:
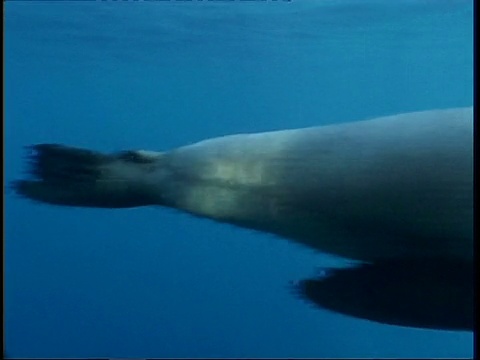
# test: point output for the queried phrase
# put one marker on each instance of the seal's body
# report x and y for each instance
(389, 187)
(397, 186)
(395, 192)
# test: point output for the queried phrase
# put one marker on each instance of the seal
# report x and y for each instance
(385, 188)
(395, 193)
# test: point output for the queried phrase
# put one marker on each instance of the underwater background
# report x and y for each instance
(115, 75)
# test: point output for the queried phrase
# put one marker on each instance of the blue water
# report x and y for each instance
(151, 282)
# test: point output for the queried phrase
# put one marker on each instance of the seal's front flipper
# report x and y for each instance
(424, 293)
(70, 176)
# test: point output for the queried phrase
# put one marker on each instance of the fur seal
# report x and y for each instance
(395, 193)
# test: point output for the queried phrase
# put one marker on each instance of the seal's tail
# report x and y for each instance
(68, 176)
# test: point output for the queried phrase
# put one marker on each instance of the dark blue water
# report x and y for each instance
(151, 282)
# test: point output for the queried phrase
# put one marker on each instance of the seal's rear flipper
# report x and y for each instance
(70, 176)
(423, 293)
